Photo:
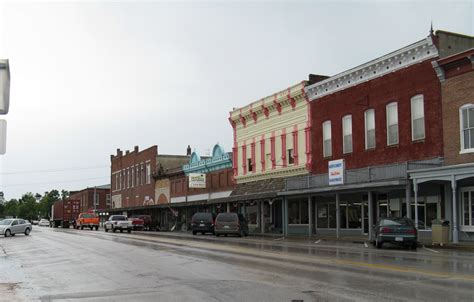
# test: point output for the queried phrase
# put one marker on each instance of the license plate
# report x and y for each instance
(398, 238)
(202, 224)
(226, 227)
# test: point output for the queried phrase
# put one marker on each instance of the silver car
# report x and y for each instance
(11, 227)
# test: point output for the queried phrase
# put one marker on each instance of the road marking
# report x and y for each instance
(431, 250)
(281, 238)
(317, 241)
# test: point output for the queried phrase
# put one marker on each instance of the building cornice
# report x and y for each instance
(399, 59)
(265, 107)
(290, 171)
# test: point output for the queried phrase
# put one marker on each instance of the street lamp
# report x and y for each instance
(4, 101)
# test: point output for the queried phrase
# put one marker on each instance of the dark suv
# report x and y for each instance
(203, 223)
(231, 223)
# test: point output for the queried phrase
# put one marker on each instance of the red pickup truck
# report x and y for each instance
(87, 220)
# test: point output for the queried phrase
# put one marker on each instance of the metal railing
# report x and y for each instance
(362, 175)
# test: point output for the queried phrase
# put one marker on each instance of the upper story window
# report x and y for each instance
(250, 164)
(392, 124)
(291, 157)
(107, 199)
(327, 142)
(417, 118)
(369, 129)
(467, 128)
(347, 134)
(148, 173)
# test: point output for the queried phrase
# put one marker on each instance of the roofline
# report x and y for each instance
(457, 56)
(453, 34)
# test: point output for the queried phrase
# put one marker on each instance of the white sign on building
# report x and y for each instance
(336, 172)
(197, 180)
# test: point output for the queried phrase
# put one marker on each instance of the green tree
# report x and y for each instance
(2, 210)
(27, 208)
(11, 208)
(64, 194)
(49, 198)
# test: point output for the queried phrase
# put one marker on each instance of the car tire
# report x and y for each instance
(379, 244)
(194, 233)
(121, 230)
(27, 231)
(96, 228)
(217, 235)
(414, 246)
(91, 228)
(82, 227)
(240, 233)
(113, 229)
(129, 231)
(225, 235)
(106, 229)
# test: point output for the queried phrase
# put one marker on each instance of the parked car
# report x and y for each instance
(118, 222)
(87, 220)
(34, 222)
(43, 222)
(396, 230)
(231, 223)
(11, 227)
(203, 223)
(137, 223)
(148, 222)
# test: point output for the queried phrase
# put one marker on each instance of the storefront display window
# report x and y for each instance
(351, 214)
(298, 211)
(252, 213)
(467, 208)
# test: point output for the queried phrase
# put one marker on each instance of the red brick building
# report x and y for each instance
(101, 201)
(131, 181)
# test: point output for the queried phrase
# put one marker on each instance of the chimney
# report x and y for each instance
(314, 78)
(111, 157)
(118, 151)
(127, 152)
(188, 151)
(135, 149)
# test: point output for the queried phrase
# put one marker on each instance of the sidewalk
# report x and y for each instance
(464, 246)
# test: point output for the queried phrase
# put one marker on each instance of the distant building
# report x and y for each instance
(101, 200)
(132, 184)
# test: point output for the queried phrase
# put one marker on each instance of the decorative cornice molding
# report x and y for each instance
(289, 171)
(273, 103)
(402, 58)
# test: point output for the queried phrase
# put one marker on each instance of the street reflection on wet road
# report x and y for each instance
(56, 264)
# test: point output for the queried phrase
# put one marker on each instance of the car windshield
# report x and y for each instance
(6, 222)
(88, 216)
(119, 218)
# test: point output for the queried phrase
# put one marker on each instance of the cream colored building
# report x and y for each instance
(272, 136)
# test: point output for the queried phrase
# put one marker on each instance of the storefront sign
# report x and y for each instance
(336, 172)
(197, 180)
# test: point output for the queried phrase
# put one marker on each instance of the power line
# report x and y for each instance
(55, 170)
(52, 182)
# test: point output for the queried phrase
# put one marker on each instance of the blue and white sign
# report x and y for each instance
(336, 172)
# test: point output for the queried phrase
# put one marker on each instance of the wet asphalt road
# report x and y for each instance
(74, 265)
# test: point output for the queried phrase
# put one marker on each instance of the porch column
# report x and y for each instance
(228, 207)
(262, 217)
(338, 216)
(310, 216)
(408, 199)
(284, 213)
(371, 216)
(455, 210)
(415, 189)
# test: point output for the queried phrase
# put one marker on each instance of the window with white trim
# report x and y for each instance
(347, 134)
(148, 173)
(417, 117)
(467, 209)
(467, 128)
(107, 199)
(327, 142)
(369, 129)
(392, 123)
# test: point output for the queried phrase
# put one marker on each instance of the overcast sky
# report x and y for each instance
(89, 78)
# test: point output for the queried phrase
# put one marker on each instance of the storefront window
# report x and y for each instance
(468, 209)
(350, 214)
(298, 211)
(252, 213)
(326, 215)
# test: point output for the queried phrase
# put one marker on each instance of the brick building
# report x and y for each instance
(89, 202)
(455, 70)
(370, 125)
(132, 183)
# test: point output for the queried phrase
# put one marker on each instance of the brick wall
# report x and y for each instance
(217, 181)
(456, 91)
(398, 86)
(138, 191)
(86, 197)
